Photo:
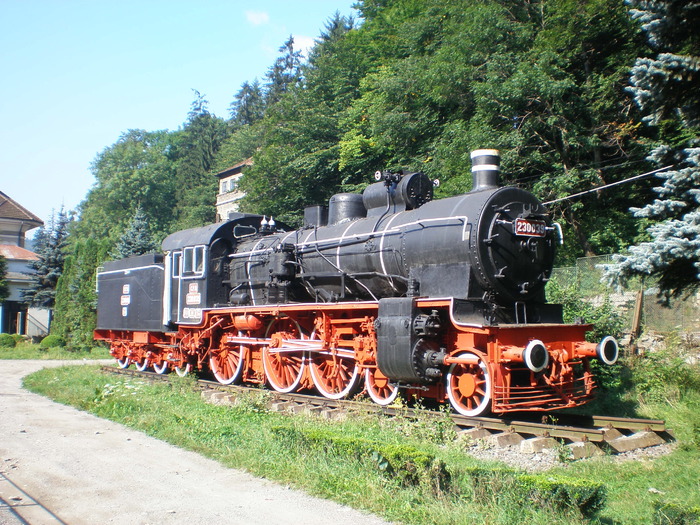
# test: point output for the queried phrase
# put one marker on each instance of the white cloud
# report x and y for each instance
(257, 18)
(303, 44)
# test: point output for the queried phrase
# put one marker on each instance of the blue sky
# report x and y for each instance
(76, 74)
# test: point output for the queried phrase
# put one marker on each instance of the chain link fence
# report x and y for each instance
(639, 297)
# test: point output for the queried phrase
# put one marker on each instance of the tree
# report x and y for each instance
(248, 105)
(4, 288)
(75, 313)
(284, 74)
(667, 89)
(193, 155)
(137, 239)
(51, 251)
(136, 171)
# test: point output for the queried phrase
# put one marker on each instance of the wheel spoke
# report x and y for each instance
(380, 390)
(284, 369)
(469, 386)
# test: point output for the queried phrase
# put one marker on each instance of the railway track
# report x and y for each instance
(584, 435)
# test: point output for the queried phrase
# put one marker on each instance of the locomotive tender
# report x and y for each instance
(390, 289)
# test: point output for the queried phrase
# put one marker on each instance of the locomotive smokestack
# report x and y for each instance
(486, 165)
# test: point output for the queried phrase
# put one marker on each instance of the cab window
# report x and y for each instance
(177, 262)
(193, 261)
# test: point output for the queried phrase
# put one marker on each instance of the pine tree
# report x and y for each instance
(50, 246)
(248, 106)
(137, 239)
(284, 74)
(4, 289)
(667, 89)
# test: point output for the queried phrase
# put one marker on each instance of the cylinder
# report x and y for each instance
(486, 165)
(344, 207)
(247, 323)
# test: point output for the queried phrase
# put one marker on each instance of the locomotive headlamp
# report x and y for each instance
(535, 356)
(608, 350)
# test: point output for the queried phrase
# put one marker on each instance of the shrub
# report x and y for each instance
(7, 341)
(52, 341)
(18, 338)
(404, 462)
(606, 320)
(586, 496)
(675, 514)
(562, 493)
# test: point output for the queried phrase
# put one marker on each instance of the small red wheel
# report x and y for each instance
(284, 360)
(469, 386)
(123, 363)
(161, 367)
(380, 390)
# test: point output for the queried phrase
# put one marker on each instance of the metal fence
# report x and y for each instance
(587, 277)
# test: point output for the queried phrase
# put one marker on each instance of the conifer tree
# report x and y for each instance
(667, 89)
(248, 106)
(284, 74)
(4, 289)
(50, 245)
(137, 239)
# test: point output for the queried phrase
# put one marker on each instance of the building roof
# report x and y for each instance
(9, 209)
(16, 253)
(236, 169)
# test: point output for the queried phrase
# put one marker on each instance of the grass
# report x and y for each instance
(288, 449)
(247, 436)
(25, 350)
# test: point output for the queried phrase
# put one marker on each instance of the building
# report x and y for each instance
(15, 317)
(229, 193)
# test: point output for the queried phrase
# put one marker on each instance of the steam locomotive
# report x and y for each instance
(380, 292)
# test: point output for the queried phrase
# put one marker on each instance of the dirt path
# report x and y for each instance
(60, 465)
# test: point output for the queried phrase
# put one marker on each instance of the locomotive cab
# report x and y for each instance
(197, 262)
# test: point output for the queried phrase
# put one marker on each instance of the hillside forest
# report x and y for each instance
(414, 84)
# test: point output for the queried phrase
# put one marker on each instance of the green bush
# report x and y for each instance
(586, 496)
(675, 514)
(52, 341)
(540, 489)
(407, 463)
(18, 338)
(606, 320)
(7, 341)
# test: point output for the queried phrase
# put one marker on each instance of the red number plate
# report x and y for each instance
(530, 228)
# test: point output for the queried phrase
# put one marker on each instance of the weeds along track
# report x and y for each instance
(584, 435)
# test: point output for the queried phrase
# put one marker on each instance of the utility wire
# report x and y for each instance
(649, 173)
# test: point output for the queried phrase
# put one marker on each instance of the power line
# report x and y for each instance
(649, 173)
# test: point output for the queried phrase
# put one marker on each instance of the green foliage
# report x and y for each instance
(7, 341)
(51, 245)
(137, 239)
(137, 171)
(605, 318)
(52, 341)
(403, 462)
(75, 312)
(665, 87)
(666, 375)
(587, 497)
(675, 514)
(4, 288)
